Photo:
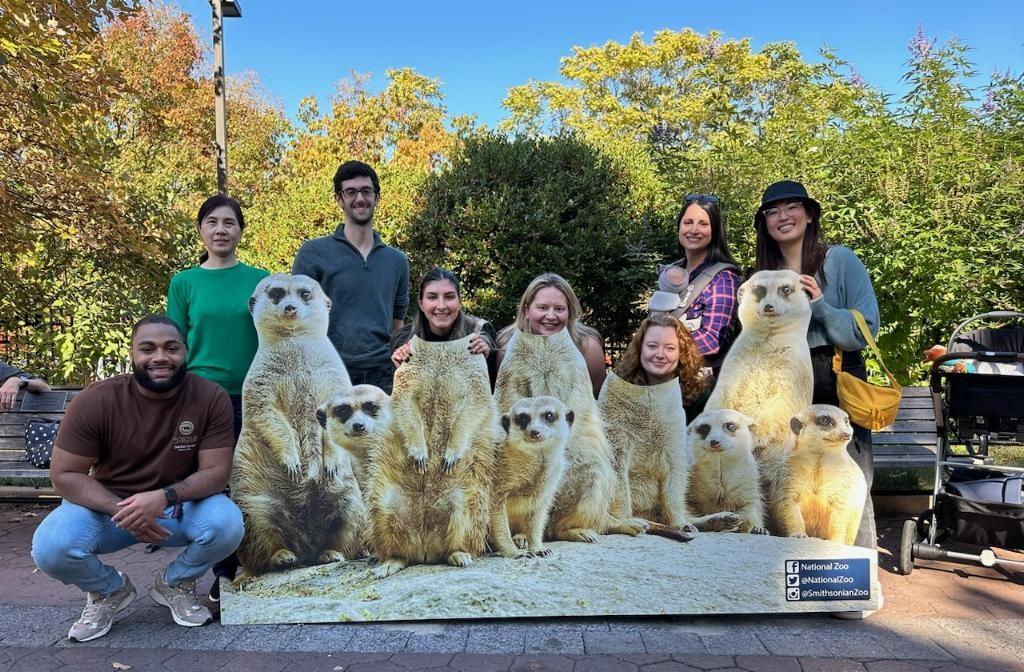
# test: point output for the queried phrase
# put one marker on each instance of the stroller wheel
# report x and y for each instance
(907, 541)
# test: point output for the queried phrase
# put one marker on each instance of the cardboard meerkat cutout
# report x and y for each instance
(428, 491)
(725, 476)
(530, 464)
(356, 420)
(767, 374)
(536, 365)
(646, 425)
(297, 493)
(824, 482)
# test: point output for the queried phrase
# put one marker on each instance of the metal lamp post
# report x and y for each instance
(221, 9)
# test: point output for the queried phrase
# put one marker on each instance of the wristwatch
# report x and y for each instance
(172, 495)
(23, 380)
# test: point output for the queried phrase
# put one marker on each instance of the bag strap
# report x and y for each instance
(703, 279)
(837, 360)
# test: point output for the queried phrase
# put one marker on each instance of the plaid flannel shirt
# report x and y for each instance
(715, 307)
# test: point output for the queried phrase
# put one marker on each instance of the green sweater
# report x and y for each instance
(212, 308)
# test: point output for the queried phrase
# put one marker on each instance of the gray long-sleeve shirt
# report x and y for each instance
(847, 285)
(366, 295)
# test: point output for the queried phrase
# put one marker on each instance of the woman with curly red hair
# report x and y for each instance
(662, 349)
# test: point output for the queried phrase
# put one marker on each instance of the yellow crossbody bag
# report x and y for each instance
(868, 405)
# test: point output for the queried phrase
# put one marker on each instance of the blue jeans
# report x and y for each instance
(66, 544)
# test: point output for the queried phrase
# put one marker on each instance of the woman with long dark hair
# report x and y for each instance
(439, 317)
(788, 225)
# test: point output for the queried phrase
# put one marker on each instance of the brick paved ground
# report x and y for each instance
(941, 617)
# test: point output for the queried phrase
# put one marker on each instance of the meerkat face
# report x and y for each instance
(829, 425)
(721, 432)
(772, 296)
(538, 420)
(363, 411)
(286, 305)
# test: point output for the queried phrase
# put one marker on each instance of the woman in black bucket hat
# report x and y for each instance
(788, 225)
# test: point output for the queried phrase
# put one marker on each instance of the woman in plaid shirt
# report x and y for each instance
(708, 314)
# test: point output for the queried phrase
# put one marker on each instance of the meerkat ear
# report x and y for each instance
(252, 303)
(796, 425)
(752, 427)
(505, 422)
(321, 416)
(327, 300)
(740, 292)
(570, 417)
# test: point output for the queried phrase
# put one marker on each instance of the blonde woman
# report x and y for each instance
(549, 305)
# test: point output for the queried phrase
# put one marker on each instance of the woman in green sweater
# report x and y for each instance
(210, 304)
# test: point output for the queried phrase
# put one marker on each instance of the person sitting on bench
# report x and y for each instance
(13, 379)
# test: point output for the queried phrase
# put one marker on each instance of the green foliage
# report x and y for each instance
(506, 211)
(929, 191)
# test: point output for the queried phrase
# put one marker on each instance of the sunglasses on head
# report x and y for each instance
(710, 198)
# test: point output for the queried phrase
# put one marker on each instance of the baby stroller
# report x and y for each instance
(976, 501)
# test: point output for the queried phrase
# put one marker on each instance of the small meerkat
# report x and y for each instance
(823, 482)
(299, 499)
(725, 476)
(530, 465)
(536, 365)
(356, 420)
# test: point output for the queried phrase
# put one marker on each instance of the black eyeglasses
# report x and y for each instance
(710, 198)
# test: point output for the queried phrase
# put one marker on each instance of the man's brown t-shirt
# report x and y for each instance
(144, 444)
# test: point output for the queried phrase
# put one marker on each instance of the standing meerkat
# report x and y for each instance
(536, 365)
(767, 374)
(356, 420)
(646, 426)
(428, 490)
(822, 480)
(724, 476)
(297, 493)
(530, 465)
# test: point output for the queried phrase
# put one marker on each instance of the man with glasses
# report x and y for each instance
(366, 280)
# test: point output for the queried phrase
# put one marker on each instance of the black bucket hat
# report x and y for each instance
(787, 189)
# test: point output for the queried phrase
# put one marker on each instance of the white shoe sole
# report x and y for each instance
(159, 599)
(120, 607)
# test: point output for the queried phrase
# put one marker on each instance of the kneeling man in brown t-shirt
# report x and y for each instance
(142, 458)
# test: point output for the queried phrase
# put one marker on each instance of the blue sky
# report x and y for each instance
(480, 49)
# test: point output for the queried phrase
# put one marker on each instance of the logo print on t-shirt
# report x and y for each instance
(183, 439)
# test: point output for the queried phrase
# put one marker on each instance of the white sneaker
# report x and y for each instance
(186, 608)
(98, 615)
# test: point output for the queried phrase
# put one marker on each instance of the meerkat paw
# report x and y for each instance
(798, 535)
(579, 534)
(540, 551)
(514, 553)
(330, 555)
(631, 526)
(460, 559)
(418, 455)
(689, 529)
(521, 541)
(451, 458)
(283, 559)
(388, 567)
(293, 465)
(759, 530)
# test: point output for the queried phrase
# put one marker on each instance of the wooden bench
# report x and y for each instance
(911, 441)
(18, 478)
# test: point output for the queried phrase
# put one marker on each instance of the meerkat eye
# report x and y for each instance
(523, 420)
(343, 412)
(825, 421)
(276, 293)
(785, 290)
(731, 427)
(304, 294)
(370, 408)
(549, 416)
(760, 291)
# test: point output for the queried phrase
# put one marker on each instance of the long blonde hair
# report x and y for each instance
(577, 330)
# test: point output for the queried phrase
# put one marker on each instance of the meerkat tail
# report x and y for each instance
(674, 533)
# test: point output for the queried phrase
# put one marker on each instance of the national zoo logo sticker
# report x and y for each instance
(186, 428)
(827, 580)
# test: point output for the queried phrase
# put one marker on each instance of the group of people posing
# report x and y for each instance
(147, 457)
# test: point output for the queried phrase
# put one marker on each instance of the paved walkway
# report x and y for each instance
(942, 617)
